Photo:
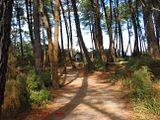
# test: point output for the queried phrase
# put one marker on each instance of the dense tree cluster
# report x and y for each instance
(140, 18)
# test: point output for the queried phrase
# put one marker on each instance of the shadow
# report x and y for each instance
(69, 72)
(112, 116)
(63, 80)
(69, 107)
(76, 76)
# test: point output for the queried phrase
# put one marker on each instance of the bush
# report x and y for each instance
(34, 82)
(36, 88)
(24, 96)
(46, 77)
(38, 97)
(136, 63)
(120, 73)
(153, 104)
(141, 85)
(142, 92)
(16, 96)
(98, 65)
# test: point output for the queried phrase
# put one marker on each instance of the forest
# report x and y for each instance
(79, 59)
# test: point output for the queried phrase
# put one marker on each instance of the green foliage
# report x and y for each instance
(98, 65)
(46, 77)
(120, 73)
(24, 96)
(38, 97)
(38, 92)
(33, 81)
(16, 96)
(142, 92)
(141, 85)
(136, 63)
(112, 77)
(124, 11)
(27, 49)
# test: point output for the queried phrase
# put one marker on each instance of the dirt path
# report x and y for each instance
(86, 97)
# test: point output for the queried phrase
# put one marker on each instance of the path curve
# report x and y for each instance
(86, 97)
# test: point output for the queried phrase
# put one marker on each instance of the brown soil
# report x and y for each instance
(86, 96)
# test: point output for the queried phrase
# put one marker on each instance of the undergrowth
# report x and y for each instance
(138, 77)
(36, 88)
(24, 88)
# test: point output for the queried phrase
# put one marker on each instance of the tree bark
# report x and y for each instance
(20, 29)
(37, 42)
(119, 29)
(62, 45)
(109, 26)
(5, 27)
(29, 21)
(55, 80)
(79, 34)
(50, 43)
(149, 28)
(70, 28)
(133, 16)
(69, 37)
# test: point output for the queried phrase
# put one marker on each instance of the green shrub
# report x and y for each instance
(12, 94)
(34, 82)
(141, 85)
(16, 96)
(142, 92)
(153, 103)
(126, 82)
(99, 65)
(38, 97)
(112, 77)
(155, 68)
(136, 63)
(121, 73)
(46, 78)
(36, 88)
(24, 96)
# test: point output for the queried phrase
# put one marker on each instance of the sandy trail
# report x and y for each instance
(85, 97)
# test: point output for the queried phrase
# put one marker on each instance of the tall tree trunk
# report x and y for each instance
(37, 42)
(62, 45)
(94, 30)
(20, 29)
(133, 16)
(117, 51)
(70, 28)
(92, 37)
(99, 35)
(156, 4)
(29, 21)
(5, 27)
(129, 37)
(120, 29)
(69, 37)
(109, 26)
(142, 37)
(50, 44)
(55, 80)
(79, 34)
(45, 54)
(149, 27)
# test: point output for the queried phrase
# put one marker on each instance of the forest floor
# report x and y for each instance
(85, 96)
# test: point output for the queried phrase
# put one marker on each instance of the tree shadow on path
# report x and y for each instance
(62, 112)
